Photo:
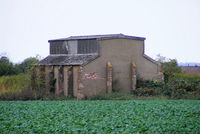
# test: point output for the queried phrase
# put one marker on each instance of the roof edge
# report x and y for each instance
(103, 37)
(150, 59)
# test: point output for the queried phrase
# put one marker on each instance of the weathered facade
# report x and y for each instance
(88, 65)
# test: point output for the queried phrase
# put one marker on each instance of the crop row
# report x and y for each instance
(165, 116)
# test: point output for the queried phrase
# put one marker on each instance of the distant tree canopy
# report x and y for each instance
(26, 65)
(9, 68)
(6, 67)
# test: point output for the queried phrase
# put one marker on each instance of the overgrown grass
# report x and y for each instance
(26, 95)
(14, 83)
(188, 76)
(121, 96)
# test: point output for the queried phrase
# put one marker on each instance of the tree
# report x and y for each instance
(170, 67)
(9, 68)
(27, 64)
(6, 67)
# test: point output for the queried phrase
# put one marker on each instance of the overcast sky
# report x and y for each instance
(171, 27)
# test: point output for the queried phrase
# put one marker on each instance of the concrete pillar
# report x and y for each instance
(75, 80)
(61, 80)
(56, 76)
(133, 76)
(109, 77)
(66, 77)
(80, 77)
(48, 70)
(80, 95)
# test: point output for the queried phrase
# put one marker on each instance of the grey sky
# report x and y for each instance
(171, 27)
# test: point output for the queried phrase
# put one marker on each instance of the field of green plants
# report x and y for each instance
(151, 116)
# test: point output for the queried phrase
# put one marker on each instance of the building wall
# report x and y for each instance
(121, 53)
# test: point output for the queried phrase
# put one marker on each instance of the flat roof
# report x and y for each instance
(103, 37)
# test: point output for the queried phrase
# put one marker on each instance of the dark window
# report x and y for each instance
(87, 46)
(58, 47)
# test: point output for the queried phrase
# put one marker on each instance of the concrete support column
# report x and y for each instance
(80, 77)
(75, 80)
(48, 70)
(56, 76)
(80, 94)
(61, 80)
(66, 77)
(109, 77)
(133, 76)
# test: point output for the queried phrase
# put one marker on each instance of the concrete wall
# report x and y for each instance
(121, 53)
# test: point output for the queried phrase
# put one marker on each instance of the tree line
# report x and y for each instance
(7, 67)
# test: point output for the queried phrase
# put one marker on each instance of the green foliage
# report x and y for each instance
(180, 86)
(184, 84)
(170, 68)
(148, 88)
(26, 65)
(9, 68)
(37, 79)
(100, 116)
(6, 67)
(149, 84)
(147, 92)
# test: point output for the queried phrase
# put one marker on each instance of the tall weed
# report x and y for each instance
(14, 83)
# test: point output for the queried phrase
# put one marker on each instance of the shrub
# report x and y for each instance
(148, 88)
(146, 92)
(148, 83)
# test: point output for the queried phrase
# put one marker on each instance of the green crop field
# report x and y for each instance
(151, 116)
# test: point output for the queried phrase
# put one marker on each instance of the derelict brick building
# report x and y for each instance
(88, 65)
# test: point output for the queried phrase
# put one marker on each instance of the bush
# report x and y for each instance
(180, 86)
(190, 82)
(148, 83)
(148, 88)
(147, 92)
(183, 84)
